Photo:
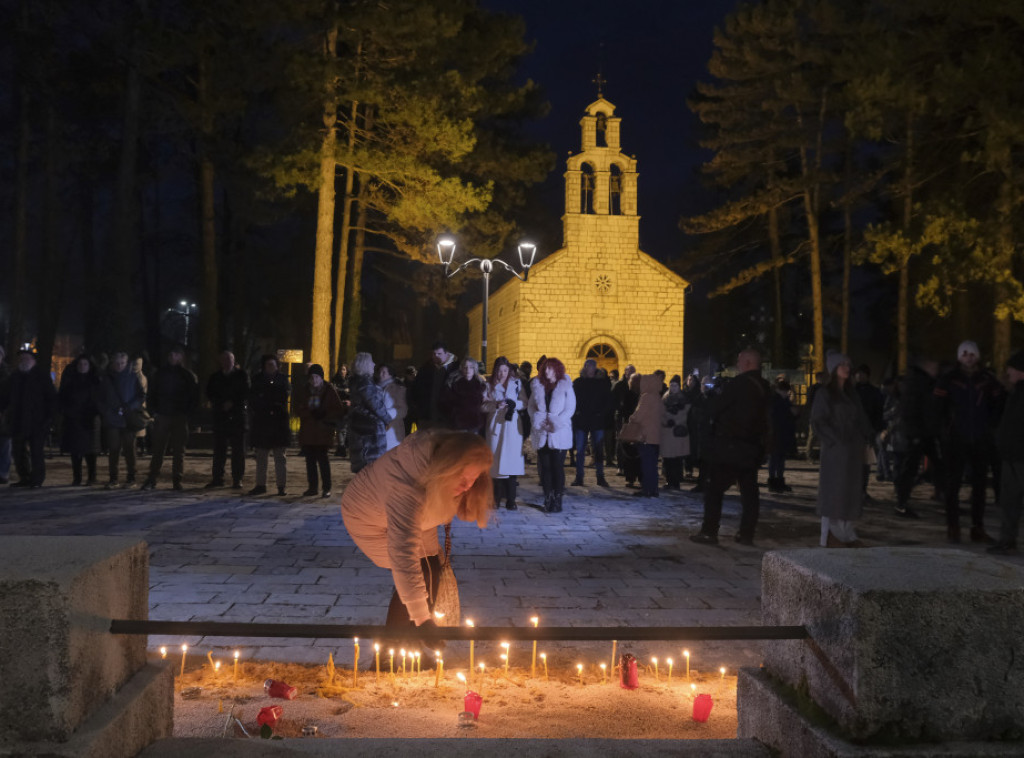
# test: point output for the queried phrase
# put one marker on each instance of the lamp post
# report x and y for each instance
(446, 254)
(186, 311)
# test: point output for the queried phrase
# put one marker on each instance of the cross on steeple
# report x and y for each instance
(600, 81)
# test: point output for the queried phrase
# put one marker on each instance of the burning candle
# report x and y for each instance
(604, 673)
(544, 659)
(469, 623)
(669, 671)
(533, 660)
(419, 662)
(483, 670)
(438, 663)
(163, 652)
(612, 664)
(402, 651)
(391, 660)
(184, 650)
(722, 670)
(506, 656)
(376, 656)
(654, 660)
(579, 672)
(216, 668)
(693, 690)
(355, 662)
(686, 655)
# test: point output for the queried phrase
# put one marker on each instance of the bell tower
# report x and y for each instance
(600, 183)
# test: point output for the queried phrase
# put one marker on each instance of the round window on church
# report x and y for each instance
(605, 357)
(603, 283)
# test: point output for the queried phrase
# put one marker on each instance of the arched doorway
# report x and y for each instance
(605, 356)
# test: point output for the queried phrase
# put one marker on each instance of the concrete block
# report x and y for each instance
(58, 661)
(907, 644)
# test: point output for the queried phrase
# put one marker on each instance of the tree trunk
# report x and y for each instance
(844, 337)
(51, 278)
(209, 316)
(903, 292)
(355, 296)
(776, 247)
(16, 329)
(814, 237)
(343, 245)
(1003, 324)
(320, 342)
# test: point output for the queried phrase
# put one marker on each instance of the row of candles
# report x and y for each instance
(413, 659)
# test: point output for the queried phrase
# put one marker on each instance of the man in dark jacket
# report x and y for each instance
(1010, 445)
(120, 394)
(913, 434)
(173, 395)
(969, 401)
(228, 393)
(29, 412)
(593, 404)
(740, 429)
(624, 402)
(424, 396)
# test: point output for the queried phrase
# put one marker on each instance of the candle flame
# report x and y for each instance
(669, 661)
(469, 622)
(722, 670)
(460, 677)
(693, 687)
(535, 620)
(437, 653)
(163, 652)
(376, 647)
(391, 651)
(216, 666)
(654, 659)
(355, 640)
(184, 648)
(402, 651)
(236, 655)
(504, 644)
(482, 666)
(543, 656)
(438, 615)
(503, 657)
(686, 653)
(603, 666)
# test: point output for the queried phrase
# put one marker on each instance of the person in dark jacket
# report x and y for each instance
(1010, 445)
(268, 407)
(625, 397)
(368, 415)
(77, 397)
(340, 382)
(425, 393)
(968, 404)
(319, 411)
(120, 394)
(227, 391)
(29, 411)
(462, 401)
(593, 405)
(873, 402)
(912, 431)
(173, 396)
(783, 436)
(740, 429)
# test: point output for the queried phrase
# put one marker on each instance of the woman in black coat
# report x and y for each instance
(77, 398)
(268, 404)
(463, 400)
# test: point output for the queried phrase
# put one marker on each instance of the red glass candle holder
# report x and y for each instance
(629, 679)
(472, 702)
(702, 707)
(269, 716)
(283, 690)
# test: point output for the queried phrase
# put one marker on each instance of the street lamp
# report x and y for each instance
(187, 312)
(446, 254)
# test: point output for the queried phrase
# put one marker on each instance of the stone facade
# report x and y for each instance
(599, 295)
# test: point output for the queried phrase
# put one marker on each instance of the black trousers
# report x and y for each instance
(398, 614)
(317, 457)
(29, 458)
(981, 456)
(551, 469)
(170, 435)
(120, 440)
(720, 478)
(235, 438)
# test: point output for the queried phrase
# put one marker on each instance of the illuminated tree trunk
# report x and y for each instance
(209, 316)
(320, 343)
(810, 197)
(343, 245)
(355, 296)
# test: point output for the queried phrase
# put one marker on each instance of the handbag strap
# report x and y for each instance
(447, 544)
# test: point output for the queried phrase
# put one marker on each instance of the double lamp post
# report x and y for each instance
(446, 253)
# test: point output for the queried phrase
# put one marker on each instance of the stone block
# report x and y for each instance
(907, 644)
(58, 661)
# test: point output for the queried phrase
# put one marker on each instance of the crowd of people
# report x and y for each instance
(932, 426)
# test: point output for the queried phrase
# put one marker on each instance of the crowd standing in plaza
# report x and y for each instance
(934, 427)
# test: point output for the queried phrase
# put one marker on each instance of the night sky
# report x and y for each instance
(651, 54)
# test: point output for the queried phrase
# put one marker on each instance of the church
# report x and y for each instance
(599, 296)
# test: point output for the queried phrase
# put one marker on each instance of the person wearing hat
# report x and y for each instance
(845, 432)
(1010, 444)
(30, 405)
(173, 395)
(227, 391)
(319, 411)
(969, 401)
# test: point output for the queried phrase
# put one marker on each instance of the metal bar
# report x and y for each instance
(432, 633)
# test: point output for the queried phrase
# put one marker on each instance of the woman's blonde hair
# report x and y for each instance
(453, 453)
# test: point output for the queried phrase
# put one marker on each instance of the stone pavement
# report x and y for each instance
(608, 559)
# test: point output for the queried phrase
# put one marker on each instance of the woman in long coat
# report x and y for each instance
(318, 412)
(78, 388)
(552, 403)
(502, 403)
(393, 508)
(675, 435)
(648, 414)
(462, 400)
(398, 406)
(268, 404)
(368, 416)
(842, 426)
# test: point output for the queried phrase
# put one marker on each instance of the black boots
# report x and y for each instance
(553, 502)
(499, 491)
(511, 484)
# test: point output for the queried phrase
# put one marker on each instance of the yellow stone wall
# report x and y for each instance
(599, 288)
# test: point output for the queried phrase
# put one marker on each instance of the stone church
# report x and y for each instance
(599, 296)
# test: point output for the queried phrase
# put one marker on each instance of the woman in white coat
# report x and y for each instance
(675, 436)
(398, 407)
(552, 403)
(502, 403)
(392, 510)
